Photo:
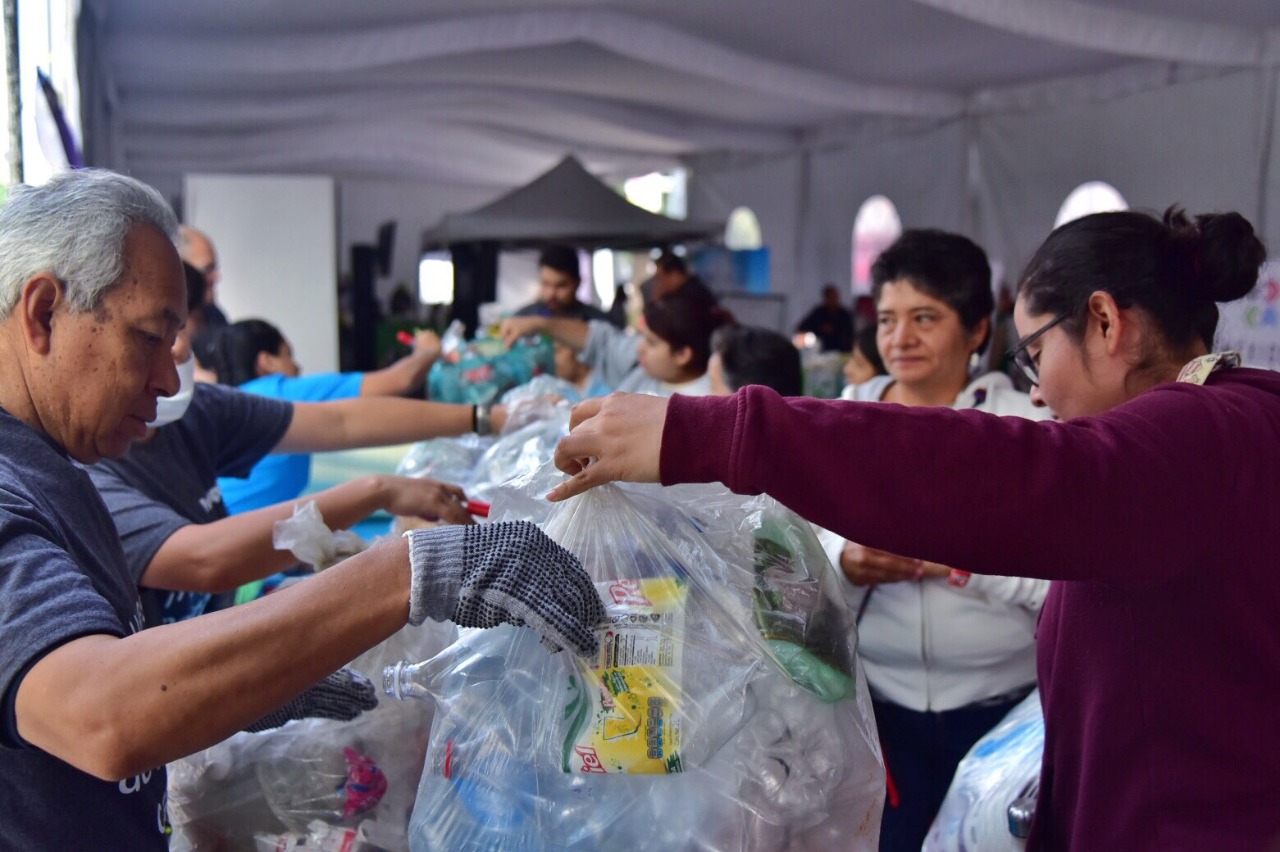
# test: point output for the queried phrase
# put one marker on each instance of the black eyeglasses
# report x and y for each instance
(1030, 366)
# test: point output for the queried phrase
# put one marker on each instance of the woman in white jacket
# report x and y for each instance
(947, 653)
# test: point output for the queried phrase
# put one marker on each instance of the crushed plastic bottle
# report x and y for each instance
(453, 341)
(479, 789)
(335, 785)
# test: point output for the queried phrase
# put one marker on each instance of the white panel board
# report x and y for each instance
(276, 238)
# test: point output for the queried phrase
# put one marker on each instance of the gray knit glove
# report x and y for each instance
(491, 574)
(343, 695)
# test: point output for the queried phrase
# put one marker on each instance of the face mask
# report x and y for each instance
(169, 409)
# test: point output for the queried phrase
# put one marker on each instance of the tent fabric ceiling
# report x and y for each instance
(485, 93)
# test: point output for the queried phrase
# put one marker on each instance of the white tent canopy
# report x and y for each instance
(975, 115)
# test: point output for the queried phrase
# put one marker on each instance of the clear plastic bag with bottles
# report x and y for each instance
(482, 465)
(725, 709)
(314, 782)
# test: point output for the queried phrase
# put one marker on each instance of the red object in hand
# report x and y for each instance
(404, 337)
(479, 508)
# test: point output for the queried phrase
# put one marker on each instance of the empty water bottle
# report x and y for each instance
(453, 340)
(479, 788)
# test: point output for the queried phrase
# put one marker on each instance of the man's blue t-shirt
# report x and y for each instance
(283, 476)
(62, 576)
(170, 481)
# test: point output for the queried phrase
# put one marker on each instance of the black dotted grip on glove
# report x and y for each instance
(503, 573)
(343, 695)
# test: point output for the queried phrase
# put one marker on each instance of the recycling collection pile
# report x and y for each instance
(725, 710)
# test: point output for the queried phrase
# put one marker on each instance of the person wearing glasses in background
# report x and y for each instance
(947, 653)
(1146, 506)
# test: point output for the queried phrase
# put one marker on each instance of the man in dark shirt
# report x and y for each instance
(558, 283)
(829, 322)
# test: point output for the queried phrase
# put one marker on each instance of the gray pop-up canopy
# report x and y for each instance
(565, 205)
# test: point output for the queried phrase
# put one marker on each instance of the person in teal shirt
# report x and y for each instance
(255, 357)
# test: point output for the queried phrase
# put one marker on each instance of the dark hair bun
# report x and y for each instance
(1225, 253)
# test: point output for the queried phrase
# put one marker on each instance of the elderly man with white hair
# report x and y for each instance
(92, 706)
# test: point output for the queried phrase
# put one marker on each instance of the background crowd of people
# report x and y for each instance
(1095, 537)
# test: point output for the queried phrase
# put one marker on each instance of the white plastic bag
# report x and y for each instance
(310, 540)
(1000, 768)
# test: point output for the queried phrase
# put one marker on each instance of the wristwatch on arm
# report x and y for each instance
(481, 422)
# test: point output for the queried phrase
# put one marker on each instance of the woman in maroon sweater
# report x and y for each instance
(1159, 644)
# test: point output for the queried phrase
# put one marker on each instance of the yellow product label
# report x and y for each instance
(624, 711)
